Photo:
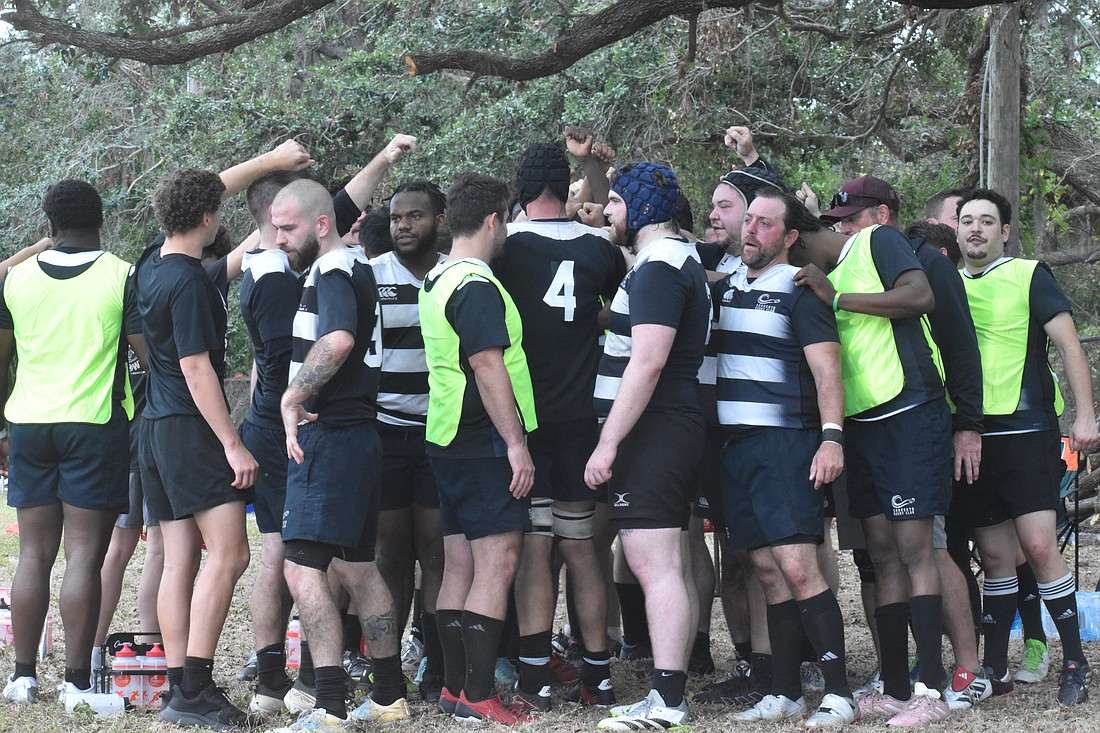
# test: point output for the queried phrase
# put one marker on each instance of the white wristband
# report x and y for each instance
(831, 426)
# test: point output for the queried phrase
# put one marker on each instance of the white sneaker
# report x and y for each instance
(873, 684)
(301, 698)
(67, 689)
(22, 690)
(771, 708)
(648, 714)
(834, 710)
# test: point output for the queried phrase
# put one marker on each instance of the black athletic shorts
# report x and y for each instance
(1020, 474)
(138, 515)
(474, 499)
(766, 490)
(184, 469)
(560, 452)
(900, 466)
(333, 496)
(653, 479)
(268, 447)
(407, 477)
(83, 465)
(708, 503)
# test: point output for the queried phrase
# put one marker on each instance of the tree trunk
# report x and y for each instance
(1004, 111)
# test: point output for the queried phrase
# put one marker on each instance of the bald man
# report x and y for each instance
(330, 519)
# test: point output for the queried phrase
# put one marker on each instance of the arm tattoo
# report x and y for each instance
(377, 628)
(321, 363)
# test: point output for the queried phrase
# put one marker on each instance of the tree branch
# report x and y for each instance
(233, 30)
(227, 29)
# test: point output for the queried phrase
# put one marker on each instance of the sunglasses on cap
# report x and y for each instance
(843, 198)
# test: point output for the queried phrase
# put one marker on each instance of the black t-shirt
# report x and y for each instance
(893, 255)
(183, 314)
(953, 330)
(269, 300)
(476, 313)
(559, 274)
(340, 294)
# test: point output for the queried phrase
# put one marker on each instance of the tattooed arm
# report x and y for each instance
(322, 362)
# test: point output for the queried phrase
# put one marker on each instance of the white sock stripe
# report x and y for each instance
(598, 662)
(1000, 586)
(1057, 589)
(535, 661)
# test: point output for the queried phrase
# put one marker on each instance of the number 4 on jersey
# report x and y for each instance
(560, 293)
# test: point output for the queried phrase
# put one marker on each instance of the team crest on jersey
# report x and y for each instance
(766, 302)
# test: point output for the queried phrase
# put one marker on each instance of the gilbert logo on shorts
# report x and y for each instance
(620, 499)
(903, 507)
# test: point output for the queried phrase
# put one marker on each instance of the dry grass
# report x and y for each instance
(1032, 708)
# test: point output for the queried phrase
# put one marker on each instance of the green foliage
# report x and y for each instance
(335, 82)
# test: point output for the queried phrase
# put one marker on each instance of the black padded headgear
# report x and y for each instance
(542, 166)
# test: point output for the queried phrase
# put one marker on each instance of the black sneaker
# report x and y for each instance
(530, 702)
(1002, 686)
(431, 686)
(209, 709)
(1073, 686)
(600, 696)
(736, 688)
(356, 664)
(249, 670)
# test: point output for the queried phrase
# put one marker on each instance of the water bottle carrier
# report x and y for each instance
(105, 672)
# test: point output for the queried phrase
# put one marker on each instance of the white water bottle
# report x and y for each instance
(126, 685)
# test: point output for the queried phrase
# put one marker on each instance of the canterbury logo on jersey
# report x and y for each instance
(387, 293)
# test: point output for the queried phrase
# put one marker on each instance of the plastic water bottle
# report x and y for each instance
(294, 644)
(1088, 615)
(127, 685)
(154, 684)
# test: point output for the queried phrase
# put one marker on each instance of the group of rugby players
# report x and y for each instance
(576, 367)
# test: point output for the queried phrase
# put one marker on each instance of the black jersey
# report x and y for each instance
(340, 294)
(560, 273)
(183, 314)
(269, 300)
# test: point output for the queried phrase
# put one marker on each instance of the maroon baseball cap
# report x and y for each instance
(861, 193)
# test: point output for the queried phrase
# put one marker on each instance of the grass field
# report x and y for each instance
(1032, 708)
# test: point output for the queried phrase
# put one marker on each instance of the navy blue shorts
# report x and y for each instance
(83, 465)
(766, 491)
(1020, 474)
(183, 468)
(332, 497)
(560, 453)
(268, 447)
(900, 466)
(474, 499)
(654, 477)
(407, 478)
